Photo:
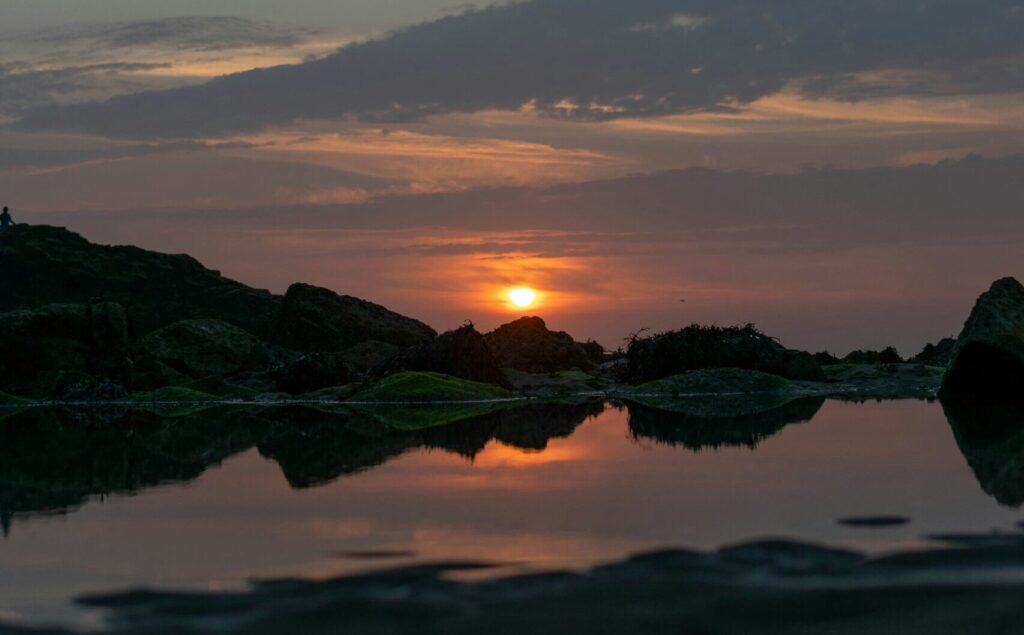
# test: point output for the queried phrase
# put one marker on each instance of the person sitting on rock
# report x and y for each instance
(6, 220)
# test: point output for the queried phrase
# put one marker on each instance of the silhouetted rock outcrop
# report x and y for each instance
(938, 354)
(196, 349)
(314, 319)
(529, 346)
(462, 353)
(696, 347)
(186, 321)
(49, 265)
(45, 350)
(989, 355)
(888, 355)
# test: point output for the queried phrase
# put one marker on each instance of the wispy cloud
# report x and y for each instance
(83, 62)
(586, 60)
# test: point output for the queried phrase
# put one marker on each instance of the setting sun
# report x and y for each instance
(522, 297)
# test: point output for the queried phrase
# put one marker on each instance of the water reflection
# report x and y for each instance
(53, 460)
(991, 437)
(224, 496)
(697, 432)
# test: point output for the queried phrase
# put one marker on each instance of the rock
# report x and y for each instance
(410, 387)
(559, 385)
(46, 265)
(883, 381)
(825, 358)
(370, 358)
(527, 345)
(195, 349)
(888, 355)
(873, 522)
(939, 354)
(46, 350)
(311, 372)
(313, 319)
(989, 354)
(697, 347)
(461, 353)
(716, 392)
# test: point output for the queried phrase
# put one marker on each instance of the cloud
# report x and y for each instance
(85, 62)
(26, 158)
(193, 33)
(586, 60)
(23, 87)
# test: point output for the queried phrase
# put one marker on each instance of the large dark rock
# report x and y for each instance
(317, 319)
(460, 353)
(311, 372)
(196, 349)
(696, 347)
(46, 350)
(48, 265)
(989, 355)
(527, 345)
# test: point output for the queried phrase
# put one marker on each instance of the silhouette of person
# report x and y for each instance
(5, 219)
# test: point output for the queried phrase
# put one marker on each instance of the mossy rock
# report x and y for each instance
(174, 401)
(413, 401)
(413, 387)
(10, 400)
(334, 393)
(220, 388)
(718, 392)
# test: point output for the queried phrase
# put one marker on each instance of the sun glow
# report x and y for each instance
(522, 297)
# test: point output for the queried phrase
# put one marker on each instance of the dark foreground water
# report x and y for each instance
(212, 502)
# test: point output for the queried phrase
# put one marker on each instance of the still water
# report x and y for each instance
(216, 505)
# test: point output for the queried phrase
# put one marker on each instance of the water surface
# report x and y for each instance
(224, 503)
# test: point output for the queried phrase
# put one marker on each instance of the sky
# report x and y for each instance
(845, 174)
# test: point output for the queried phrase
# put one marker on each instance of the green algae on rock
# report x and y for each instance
(413, 387)
(716, 392)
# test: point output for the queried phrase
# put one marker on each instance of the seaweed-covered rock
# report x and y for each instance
(44, 351)
(527, 345)
(460, 353)
(48, 265)
(194, 349)
(314, 319)
(697, 347)
(989, 355)
(716, 392)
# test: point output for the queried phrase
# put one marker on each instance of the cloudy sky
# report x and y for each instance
(843, 173)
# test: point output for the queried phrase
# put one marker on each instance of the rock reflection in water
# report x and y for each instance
(53, 461)
(991, 437)
(701, 431)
